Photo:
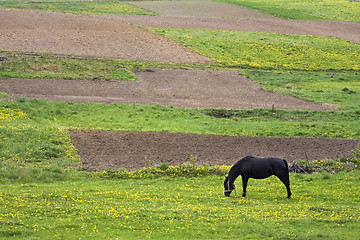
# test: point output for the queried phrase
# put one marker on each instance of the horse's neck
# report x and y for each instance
(234, 173)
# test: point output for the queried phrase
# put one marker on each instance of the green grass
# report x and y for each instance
(135, 117)
(342, 10)
(323, 207)
(79, 7)
(4, 95)
(339, 88)
(19, 65)
(30, 151)
(269, 51)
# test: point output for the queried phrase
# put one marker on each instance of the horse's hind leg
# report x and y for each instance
(286, 181)
(244, 182)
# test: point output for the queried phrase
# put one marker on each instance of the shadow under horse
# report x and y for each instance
(257, 168)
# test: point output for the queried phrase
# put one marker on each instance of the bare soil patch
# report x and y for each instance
(82, 35)
(179, 88)
(201, 9)
(134, 150)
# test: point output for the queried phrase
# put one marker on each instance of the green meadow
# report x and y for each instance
(79, 7)
(45, 194)
(19, 65)
(336, 10)
(324, 206)
(269, 51)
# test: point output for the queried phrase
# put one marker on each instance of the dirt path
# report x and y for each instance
(134, 150)
(200, 9)
(179, 88)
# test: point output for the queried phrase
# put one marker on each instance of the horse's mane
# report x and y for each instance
(234, 171)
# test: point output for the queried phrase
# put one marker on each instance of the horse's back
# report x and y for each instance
(264, 167)
(256, 167)
(276, 162)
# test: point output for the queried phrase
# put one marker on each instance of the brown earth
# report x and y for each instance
(179, 88)
(201, 9)
(133, 150)
(81, 35)
(109, 36)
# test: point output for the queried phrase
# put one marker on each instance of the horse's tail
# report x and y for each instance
(286, 165)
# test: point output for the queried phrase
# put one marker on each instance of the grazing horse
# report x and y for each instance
(258, 168)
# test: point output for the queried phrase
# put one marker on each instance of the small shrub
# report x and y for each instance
(163, 166)
(328, 165)
(326, 176)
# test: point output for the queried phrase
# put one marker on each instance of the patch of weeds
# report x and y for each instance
(193, 160)
(356, 153)
(163, 166)
(163, 170)
(328, 165)
(4, 95)
(326, 176)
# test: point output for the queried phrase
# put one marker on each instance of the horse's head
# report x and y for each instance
(229, 187)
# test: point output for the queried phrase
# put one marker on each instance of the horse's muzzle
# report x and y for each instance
(227, 193)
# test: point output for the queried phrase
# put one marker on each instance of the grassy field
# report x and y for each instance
(19, 65)
(41, 197)
(79, 7)
(269, 51)
(169, 119)
(337, 10)
(335, 87)
(323, 206)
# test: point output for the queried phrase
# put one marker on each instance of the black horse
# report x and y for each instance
(258, 168)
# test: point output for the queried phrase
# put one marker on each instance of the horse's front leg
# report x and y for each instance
(244, 182)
